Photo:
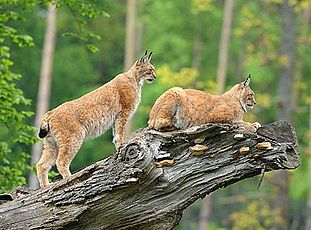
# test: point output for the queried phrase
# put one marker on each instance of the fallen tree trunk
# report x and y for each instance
(153, 178)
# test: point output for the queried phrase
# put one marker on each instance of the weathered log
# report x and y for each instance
(128, 191)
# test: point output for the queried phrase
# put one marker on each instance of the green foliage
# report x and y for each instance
(12, 119)
(257, 215)
(202, 6)
(12, 173)
(215, 226)
(299, 189)
(77, 79)
(183, 78)
(84, 12)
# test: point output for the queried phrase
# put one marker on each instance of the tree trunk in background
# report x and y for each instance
(130, 42)
(139, 31)
(224, 45)
(44, 84)
(205, 212)
(130, 34)
(197, 52)
(221, 79)
(280, 180)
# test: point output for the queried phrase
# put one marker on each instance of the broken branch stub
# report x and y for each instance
(154, 177)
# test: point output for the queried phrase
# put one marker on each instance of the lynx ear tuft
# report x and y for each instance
(146, 57)
(149, 56)
(247, 81)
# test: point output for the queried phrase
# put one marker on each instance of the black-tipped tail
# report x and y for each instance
(6, 197)
(43, 133)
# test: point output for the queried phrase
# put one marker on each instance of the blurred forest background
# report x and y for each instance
(203, 44)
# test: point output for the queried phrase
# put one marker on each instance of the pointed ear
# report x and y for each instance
(149, 56)
(247, 81)
(144, 59)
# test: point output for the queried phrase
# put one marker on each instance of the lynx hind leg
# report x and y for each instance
(163, 124)
(252, 127)
(162, 115)
(46, 161)
(68, 148)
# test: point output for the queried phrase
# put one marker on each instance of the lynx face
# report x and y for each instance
(145, 70)
(147, 73)
(247, 98)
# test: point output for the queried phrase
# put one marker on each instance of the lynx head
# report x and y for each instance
(246, 94)
(144, 70)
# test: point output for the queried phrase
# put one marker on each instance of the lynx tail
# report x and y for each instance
(44, 127)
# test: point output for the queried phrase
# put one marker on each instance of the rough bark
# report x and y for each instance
(43, 98)
(128, 191)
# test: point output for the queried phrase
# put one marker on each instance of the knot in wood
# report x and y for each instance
(131, 152)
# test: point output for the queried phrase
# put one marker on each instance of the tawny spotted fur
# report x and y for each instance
(181, 108)
(112, 105)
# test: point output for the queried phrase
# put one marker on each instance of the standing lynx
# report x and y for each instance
(181, 108)
(112, 105)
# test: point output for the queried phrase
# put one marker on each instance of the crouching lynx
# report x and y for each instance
(181, 108)
(65, 127)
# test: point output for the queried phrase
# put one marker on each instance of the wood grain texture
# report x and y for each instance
(127, 191)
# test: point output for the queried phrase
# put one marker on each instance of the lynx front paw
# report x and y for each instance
(120, 147)
(256, 125)
(251, 127)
